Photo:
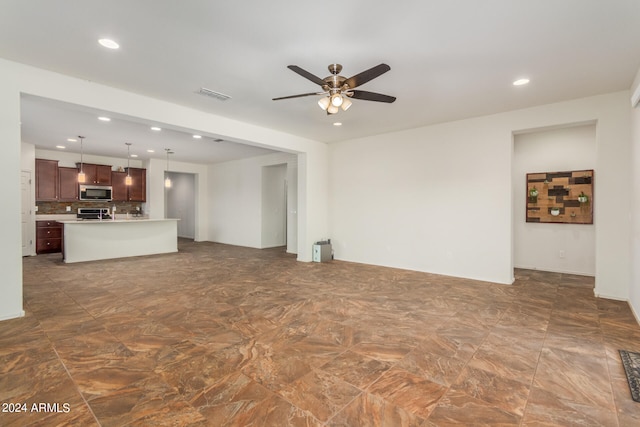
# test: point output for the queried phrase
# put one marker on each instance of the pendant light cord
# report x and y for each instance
(81, 152)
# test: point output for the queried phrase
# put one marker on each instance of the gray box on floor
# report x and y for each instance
(322, 252)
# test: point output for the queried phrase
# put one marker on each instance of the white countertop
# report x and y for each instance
(112, 221)
(55, 217)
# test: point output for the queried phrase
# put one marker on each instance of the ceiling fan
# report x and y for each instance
(339, 89)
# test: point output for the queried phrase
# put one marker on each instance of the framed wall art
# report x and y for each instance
(560, 197)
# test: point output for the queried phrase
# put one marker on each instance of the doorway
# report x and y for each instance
(180, 202)
(26, 214)
(274, 206)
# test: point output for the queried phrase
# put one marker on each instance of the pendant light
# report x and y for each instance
(128, 180)
(82, 177)
(167, 180)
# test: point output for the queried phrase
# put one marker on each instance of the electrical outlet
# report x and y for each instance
(68, 208)
(561, 254)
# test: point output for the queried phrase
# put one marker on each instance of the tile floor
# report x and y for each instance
(221, 335)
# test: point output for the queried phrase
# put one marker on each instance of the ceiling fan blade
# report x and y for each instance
(298, 96)
(307, 75)
(370, 96)
(365, 76)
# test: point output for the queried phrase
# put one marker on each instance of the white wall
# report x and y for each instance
(634, 286)
(292, 207)
(235, 199)
(10, 221)
(539, 245)
(181, 202)
(439, 198)
(274, 206)
(430, 199)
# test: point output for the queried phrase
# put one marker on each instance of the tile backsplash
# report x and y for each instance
(48, 208)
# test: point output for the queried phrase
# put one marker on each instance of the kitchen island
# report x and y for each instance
(91, 240)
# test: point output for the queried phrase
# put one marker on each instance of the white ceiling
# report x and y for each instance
(450, 59)
(48, 123)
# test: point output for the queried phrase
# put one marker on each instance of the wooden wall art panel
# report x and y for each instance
(560, 197)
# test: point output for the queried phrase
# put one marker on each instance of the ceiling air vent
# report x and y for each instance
(213, 94)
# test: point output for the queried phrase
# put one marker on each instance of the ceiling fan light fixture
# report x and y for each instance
(324, 103)
(346, 103)
(336, 100)
(337, 90)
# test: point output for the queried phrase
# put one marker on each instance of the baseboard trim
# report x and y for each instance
(635, 314)
(552, 270)
(13, 316)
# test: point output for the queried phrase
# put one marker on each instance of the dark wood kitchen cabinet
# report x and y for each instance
(119, 191)
(46, 180)
(48, 237)
(137, 191)
(96, 174)
(68, 184)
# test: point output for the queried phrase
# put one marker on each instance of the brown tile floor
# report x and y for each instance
(220, 335)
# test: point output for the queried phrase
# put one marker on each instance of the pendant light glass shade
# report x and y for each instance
(82, 177)
(346, 103)
(336, 100)
(332, 109)
(324, 103)
(167, 180)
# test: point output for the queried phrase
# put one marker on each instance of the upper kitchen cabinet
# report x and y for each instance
(96, 174)
(119, 191)
(68, 184)
(137, 191)
(46, 180)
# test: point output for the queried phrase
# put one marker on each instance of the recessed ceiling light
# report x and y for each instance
(134, 155)
(71, 140)
(156, 128)
(62, 147)
(521, 82)
(337, 124)
(151, 151)
(197, 136)
(104, 119)
(109, 44)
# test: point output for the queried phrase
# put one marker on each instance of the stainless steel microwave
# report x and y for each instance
(95, 192)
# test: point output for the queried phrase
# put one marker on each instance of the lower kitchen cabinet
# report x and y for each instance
(48, 237)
